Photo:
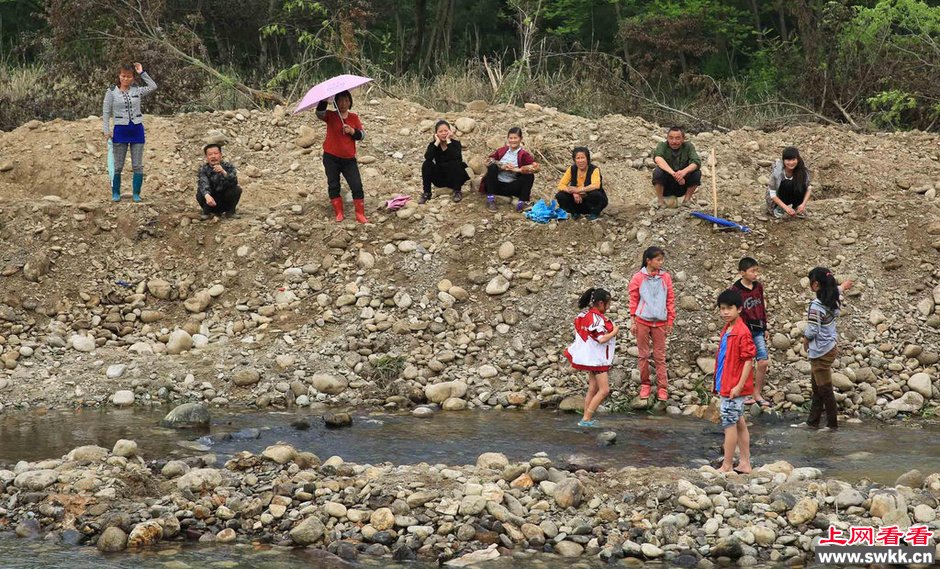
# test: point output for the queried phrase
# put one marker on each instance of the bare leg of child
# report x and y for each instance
(760, 373)
(601, 391)
(744, 447)
(731, 442)
(592, 391)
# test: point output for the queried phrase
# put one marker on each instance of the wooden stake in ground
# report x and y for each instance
(713, 162)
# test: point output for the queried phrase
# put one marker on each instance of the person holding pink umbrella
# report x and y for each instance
(343, 130)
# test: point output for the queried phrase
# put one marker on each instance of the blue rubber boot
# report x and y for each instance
(138, 182)
(116, 188)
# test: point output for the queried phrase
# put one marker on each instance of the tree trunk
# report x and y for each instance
(782, 16)
(756, 13)
(624, 44)
(421, 17)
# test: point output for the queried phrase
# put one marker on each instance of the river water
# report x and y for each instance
(876, 452)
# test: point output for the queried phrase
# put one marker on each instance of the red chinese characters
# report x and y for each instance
(862, 535)
(890, 535)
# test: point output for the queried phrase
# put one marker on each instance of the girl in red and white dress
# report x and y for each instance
(593, 349)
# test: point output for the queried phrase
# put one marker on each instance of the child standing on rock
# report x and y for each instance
(653, 308)
(734, 380)
(819, 339)
(754, 314)
(593, 349)
(343, 130)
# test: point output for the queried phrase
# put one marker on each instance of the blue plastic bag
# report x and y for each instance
(543, 212)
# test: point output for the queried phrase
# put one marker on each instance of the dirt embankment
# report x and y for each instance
(283, 306)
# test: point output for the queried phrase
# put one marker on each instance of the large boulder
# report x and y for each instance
(112, 540)
(440, 392)
(568, 493)
(803, 512)
(910, 402)
(179, 341)
(88, 453)
(145, 533)
(200, 479)
(328, 383)
(308, 531)
(159, 288)
(36, 480)
(187, 416)
(920, 382)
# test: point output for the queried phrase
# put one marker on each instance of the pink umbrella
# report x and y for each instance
(329, 88)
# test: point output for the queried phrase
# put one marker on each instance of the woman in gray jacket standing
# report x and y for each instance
(122, 104)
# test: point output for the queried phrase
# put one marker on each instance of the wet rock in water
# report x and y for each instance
(337, 420)
(912, 479)
(607, 438)
(227, 535)
(112, 540)
(475, 557)
(144, 534)
(729, 547)
(404, 553)
(187, 416)
(28, 528)
(423, 412)
(569, 549)
(300, 424)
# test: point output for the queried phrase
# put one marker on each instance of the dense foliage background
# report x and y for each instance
(705, 63)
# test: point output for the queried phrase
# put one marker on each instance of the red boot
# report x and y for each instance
(338, 208)
(360, 211)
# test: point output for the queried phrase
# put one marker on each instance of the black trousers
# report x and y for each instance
(520, 188)
(592, 203)
(225, 202)
(349, 168)
(671, 187)
(448, 175)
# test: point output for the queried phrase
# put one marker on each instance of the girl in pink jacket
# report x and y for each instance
(653, 309)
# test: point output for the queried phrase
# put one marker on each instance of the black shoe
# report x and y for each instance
(458, 196)
(424, 198)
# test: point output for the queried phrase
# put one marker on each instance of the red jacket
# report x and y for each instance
(739, 350)
(337, 142)
(524, 159)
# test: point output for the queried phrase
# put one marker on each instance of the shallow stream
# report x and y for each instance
(877, 452)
